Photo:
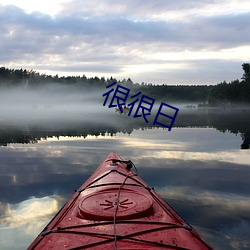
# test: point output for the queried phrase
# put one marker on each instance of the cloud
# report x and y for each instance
(26, 220)
(125, 40)
(149, 9)
(29, 210)
(229, 204)
(116, 30)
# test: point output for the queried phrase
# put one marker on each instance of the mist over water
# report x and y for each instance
(198, 166)
(61, 105)
(29, 114)
(52, 103)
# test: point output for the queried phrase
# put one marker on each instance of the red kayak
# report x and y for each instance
(116, 209)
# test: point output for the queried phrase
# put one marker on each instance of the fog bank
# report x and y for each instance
(52, 103)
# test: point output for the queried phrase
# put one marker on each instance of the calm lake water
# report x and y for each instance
(201, 168)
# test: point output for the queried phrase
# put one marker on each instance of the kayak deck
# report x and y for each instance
(116, 209)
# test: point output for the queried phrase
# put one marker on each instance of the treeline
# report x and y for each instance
(33, 79)
(234, 92)
(237, 91)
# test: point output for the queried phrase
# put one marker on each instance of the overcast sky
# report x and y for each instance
(157, 41)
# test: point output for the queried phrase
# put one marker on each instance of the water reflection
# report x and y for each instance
(33, 209)
(21, 221)
(199, 171)
(100, 124)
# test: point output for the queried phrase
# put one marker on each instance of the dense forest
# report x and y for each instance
(234, 92)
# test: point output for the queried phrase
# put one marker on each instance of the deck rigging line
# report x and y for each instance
(129, 164)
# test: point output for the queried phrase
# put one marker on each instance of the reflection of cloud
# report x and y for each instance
(221, 240)
(25, 220)
(228, 203)
(29, 213)
(236, 156)
(147, 144)
(2, 209)
(201, 144)
(222, 219)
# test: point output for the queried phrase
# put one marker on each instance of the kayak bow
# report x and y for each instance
(116, 209)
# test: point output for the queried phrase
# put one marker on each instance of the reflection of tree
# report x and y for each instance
(8, 137)
(236, 122)
(246, 141)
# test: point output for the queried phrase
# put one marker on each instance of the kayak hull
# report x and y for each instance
(116, 209)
